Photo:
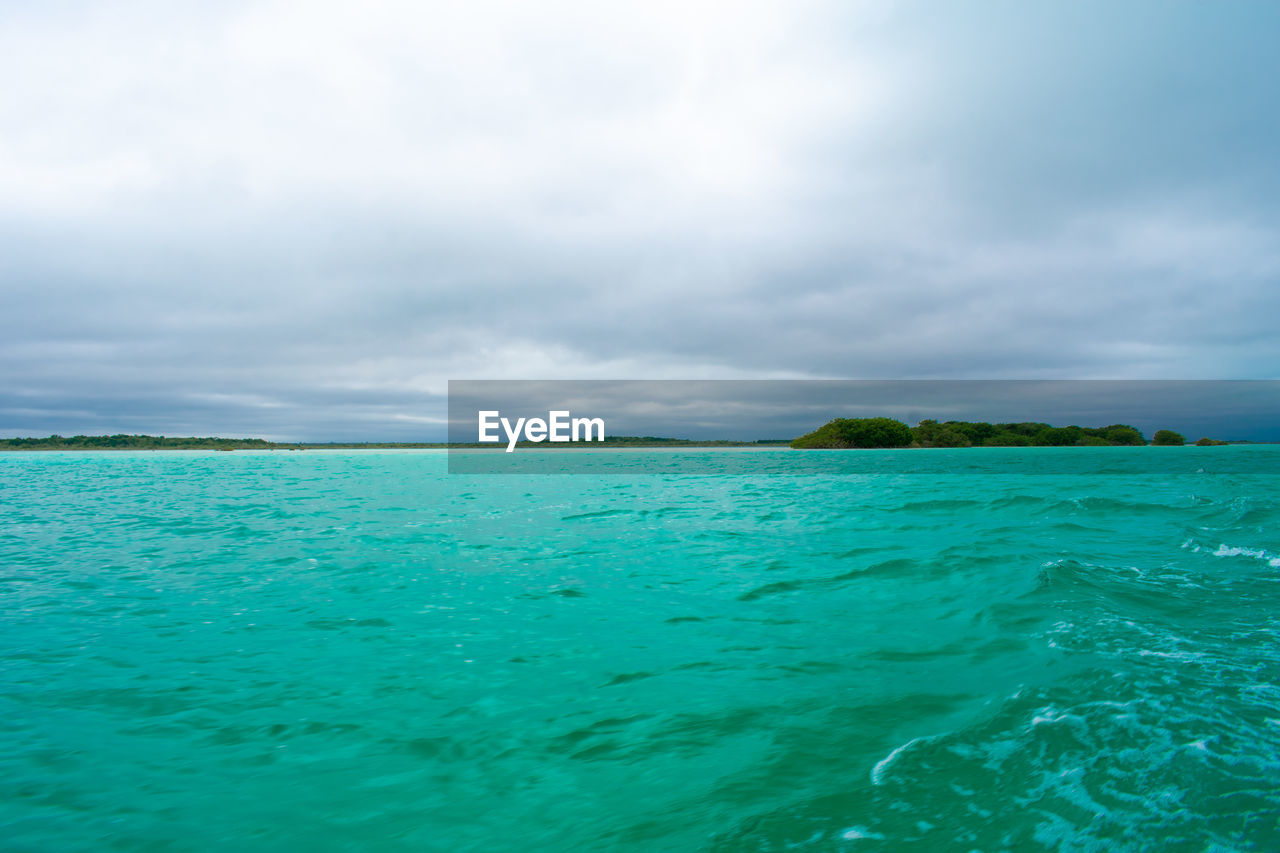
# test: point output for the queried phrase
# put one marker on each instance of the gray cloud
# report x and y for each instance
(295, 220)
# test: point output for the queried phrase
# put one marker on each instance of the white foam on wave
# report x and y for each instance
(1257, 553)
(877, 772)
(1048, 716)
(1225, 550)
(1174, 655)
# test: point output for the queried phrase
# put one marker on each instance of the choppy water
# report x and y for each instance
(359, 651)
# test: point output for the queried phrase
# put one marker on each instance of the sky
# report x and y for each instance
(299, 220)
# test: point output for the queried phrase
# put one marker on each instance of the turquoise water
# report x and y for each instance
(360, 651)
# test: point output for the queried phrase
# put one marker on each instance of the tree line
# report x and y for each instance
(134, 442)
(887, 432)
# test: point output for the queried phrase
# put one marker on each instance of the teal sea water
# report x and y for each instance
(361, 651)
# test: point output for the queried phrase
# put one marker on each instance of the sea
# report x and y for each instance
(1015, 649)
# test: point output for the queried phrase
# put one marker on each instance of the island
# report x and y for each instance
(853, 433)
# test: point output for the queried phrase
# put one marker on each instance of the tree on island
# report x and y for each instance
(1122, 434)
(1168, 438)
(848, 433)
(1209, 442)
(930, 433)
(886, 432)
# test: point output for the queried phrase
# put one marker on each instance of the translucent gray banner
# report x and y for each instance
(955, 426)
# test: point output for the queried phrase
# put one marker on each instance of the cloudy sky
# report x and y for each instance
(300, 219)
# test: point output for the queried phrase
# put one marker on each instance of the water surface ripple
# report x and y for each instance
(359, 651)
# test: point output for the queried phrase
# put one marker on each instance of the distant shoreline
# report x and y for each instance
(661, 444)
(838, 434)
(155, 443)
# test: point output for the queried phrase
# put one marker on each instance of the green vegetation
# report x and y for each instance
(843, 433)
(886, 432)
(1168, 438)
(132, 442)
(930, 433)
(1210, 442)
